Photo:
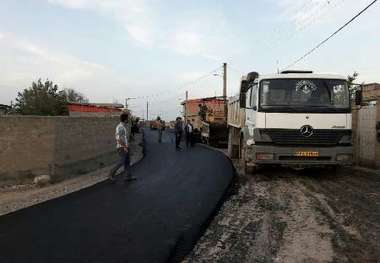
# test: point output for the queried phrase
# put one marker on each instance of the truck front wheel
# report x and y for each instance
(247, 169)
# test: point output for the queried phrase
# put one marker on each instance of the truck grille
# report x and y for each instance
(294, 137)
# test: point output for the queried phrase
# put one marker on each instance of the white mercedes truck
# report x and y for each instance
(295, 118)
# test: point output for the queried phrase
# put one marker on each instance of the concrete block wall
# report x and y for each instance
(59, 146)
(358, 134)
(377, 153)
(26, 146)
(355, 116)
(83, 144)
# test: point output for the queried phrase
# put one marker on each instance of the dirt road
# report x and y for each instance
(288, 216)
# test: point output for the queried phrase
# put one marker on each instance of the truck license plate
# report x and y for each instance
(306, 154)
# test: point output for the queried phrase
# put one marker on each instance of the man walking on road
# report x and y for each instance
(122, 149)
(178, 133)
(189, 134)
(159, 129)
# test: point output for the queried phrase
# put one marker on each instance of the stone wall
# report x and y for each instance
(59, 146)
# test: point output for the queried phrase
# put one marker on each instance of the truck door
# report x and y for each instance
(251, 108)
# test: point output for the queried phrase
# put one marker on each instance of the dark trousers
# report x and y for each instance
(159, 135)
(189, 139)
(123, 161)
(178, 137)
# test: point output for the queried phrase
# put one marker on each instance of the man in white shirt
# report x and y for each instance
(189, 134)
(122, 147)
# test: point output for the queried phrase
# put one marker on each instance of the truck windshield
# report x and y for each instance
(304, 95)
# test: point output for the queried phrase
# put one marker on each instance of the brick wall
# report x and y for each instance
(60, 146)
(355, 134)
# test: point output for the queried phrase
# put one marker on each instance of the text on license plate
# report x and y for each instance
(306, 154)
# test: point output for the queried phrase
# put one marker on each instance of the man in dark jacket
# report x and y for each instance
(178, 133)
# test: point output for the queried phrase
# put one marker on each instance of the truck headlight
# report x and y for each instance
(261, 136)
(346, 139)
(264, 156)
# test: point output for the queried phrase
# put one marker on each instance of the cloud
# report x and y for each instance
(24, 62)
(140, 34)
(187, 42)
(134, 14)
(305, 13)
(191, 32)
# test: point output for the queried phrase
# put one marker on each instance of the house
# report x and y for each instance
(94, 109)
(4, 109)
(370, 92)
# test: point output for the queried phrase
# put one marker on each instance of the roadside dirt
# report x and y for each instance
(287, 216)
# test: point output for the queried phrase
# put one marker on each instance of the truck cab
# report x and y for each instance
(295, 118)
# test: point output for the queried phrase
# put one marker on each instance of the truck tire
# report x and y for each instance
(247, 169)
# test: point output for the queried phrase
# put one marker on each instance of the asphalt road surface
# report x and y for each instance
(157, 218)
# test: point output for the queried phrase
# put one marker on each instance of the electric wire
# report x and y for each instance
(329, 37)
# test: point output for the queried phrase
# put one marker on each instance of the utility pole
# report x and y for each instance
(187, 97)
(225, 80)
(225, 89)
(126, 101)
(147, 110)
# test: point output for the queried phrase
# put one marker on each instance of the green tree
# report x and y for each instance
(350, 81)
(42, 98)
(74, 96)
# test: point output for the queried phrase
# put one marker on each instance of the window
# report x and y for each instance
(248, 98)
(304, 95)
(254, 96)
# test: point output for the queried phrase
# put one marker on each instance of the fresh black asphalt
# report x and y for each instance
(157, 218)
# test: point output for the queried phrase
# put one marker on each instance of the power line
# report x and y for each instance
(332, 35)
(180, 86)
(200, 78)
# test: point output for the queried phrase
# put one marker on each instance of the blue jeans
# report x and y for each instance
(123, 161)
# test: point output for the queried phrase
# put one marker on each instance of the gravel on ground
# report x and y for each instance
(282, 215)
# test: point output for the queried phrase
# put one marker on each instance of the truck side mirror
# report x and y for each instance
(358, 97)
(242, 100)
(243, 93)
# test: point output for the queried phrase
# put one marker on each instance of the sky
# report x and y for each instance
(155, 50)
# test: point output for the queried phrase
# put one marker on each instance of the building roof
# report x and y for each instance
(3, 106)
(200, 100)
(93, 107)
(371, 84)
(108, 105)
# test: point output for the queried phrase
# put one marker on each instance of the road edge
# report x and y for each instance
(186, 242)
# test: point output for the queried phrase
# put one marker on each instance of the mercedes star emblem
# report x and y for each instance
(307, 131)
